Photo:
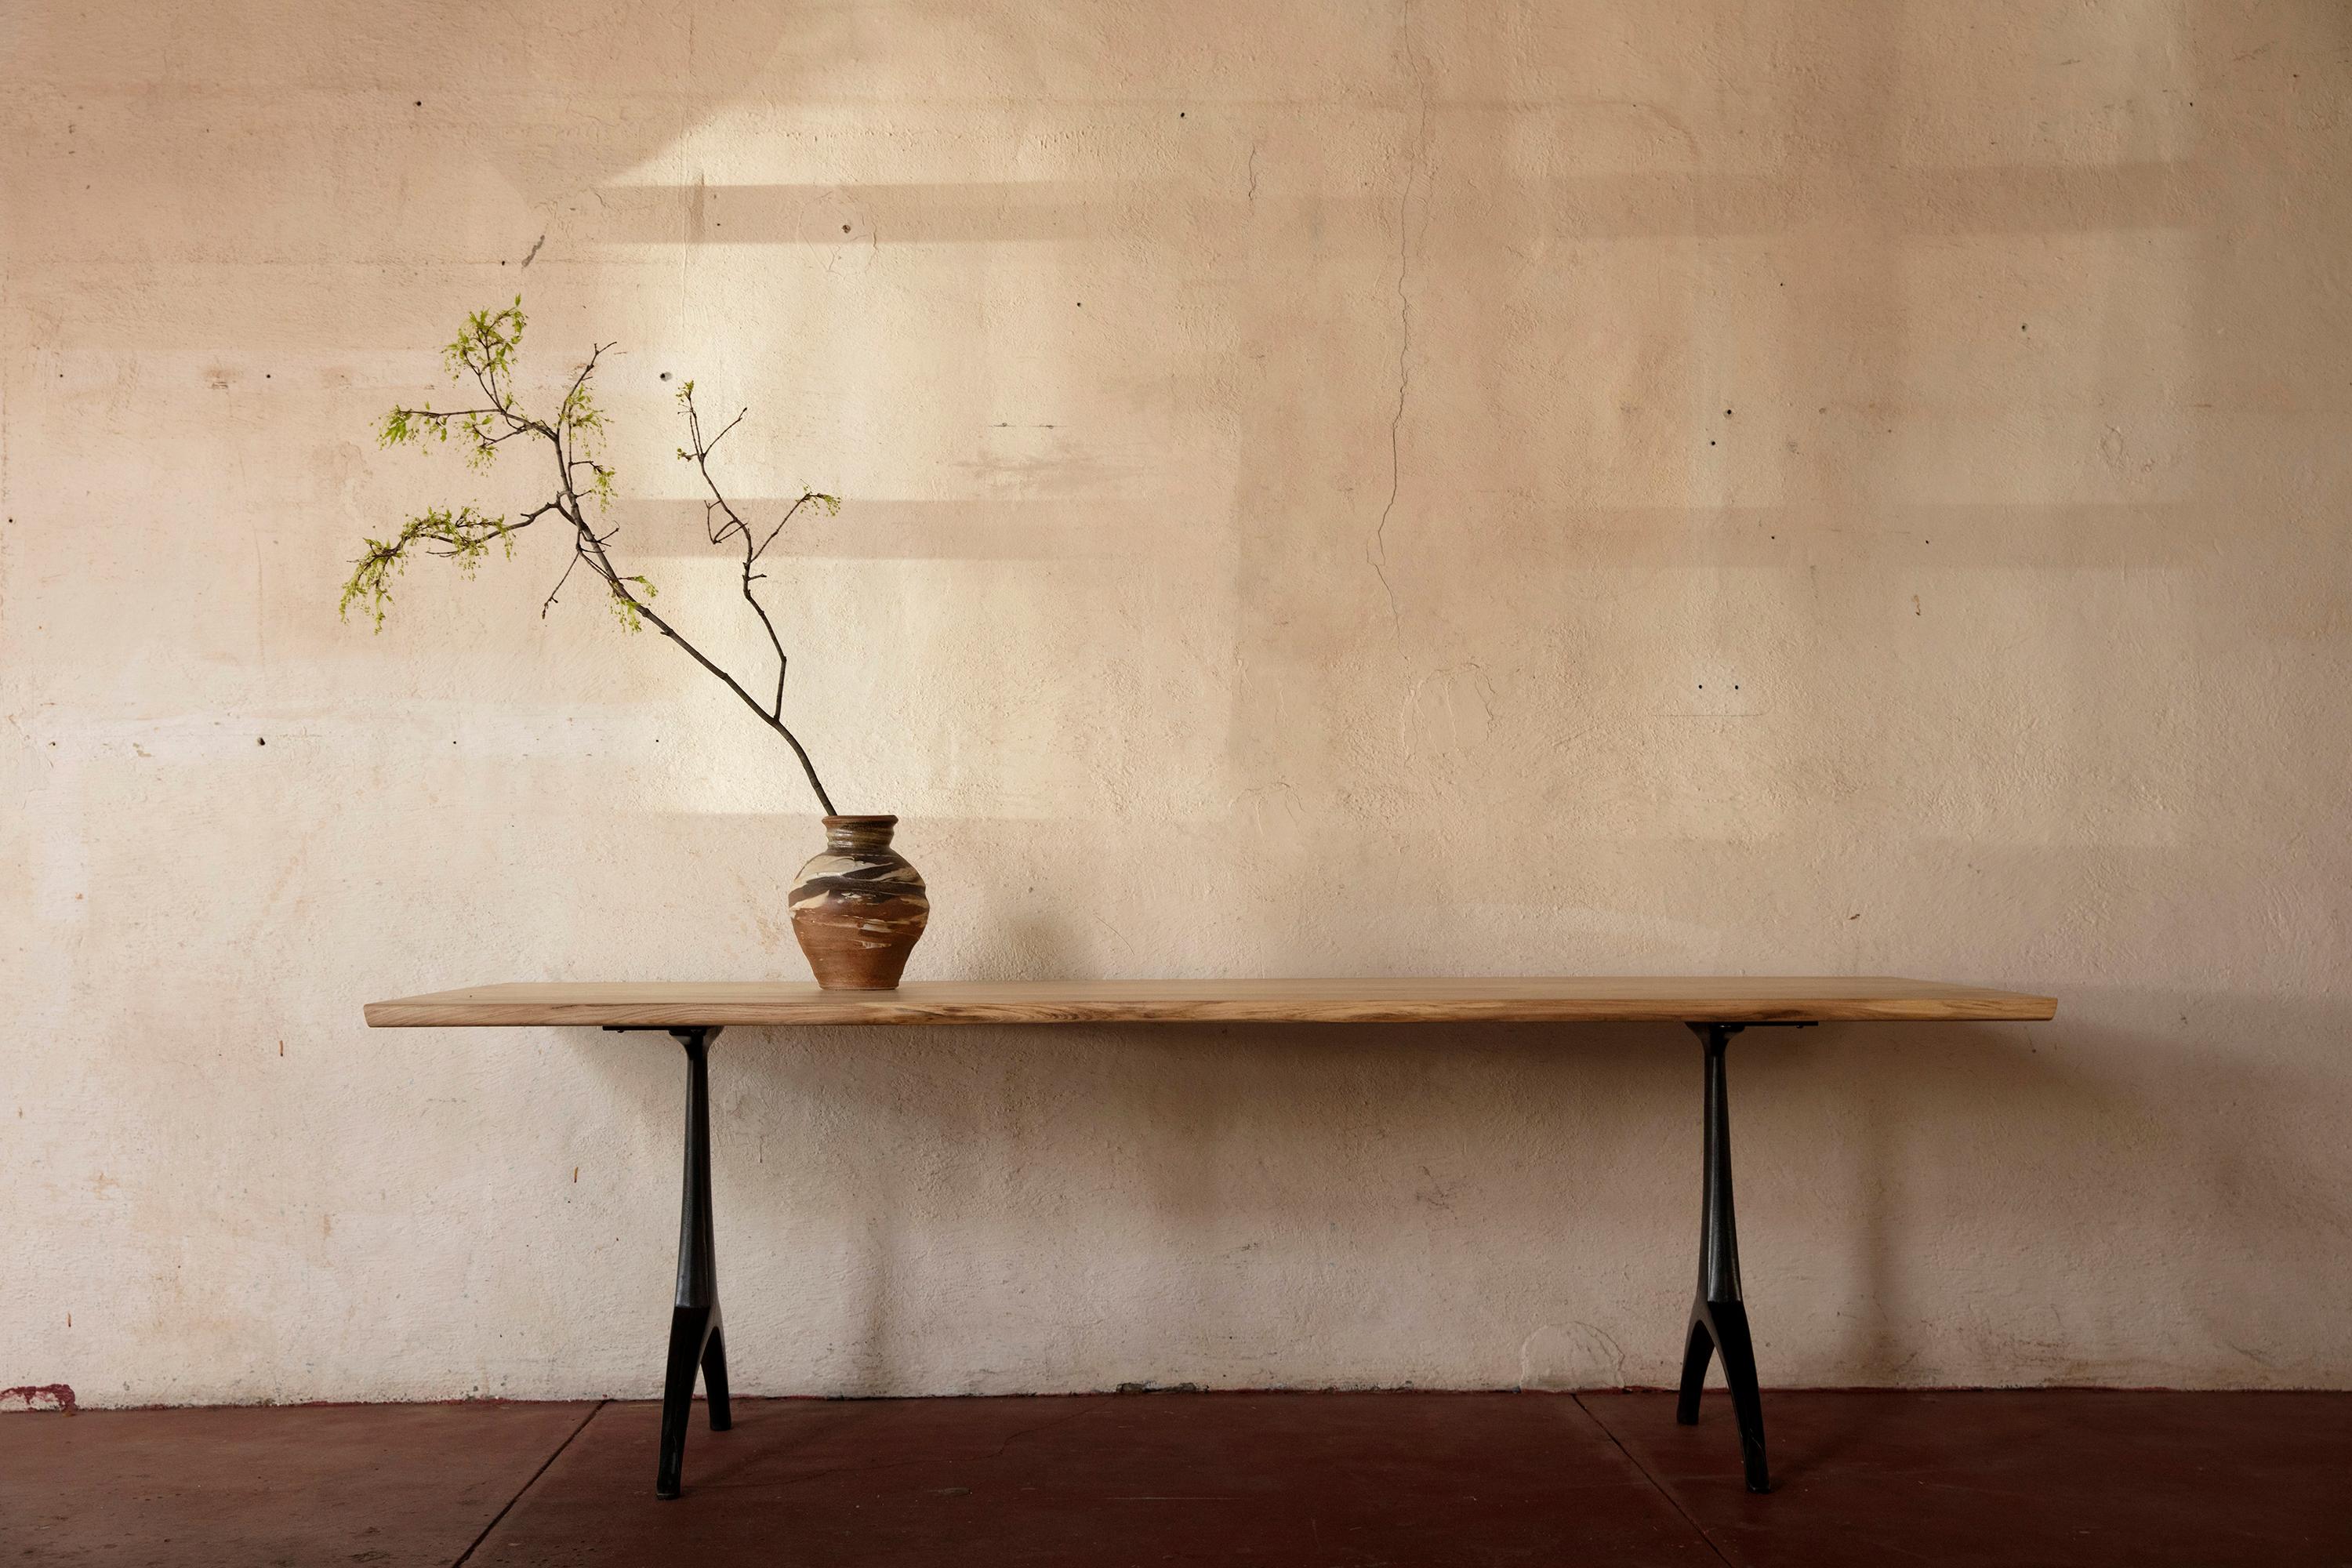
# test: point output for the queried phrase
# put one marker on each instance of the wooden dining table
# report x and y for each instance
(1715, 1007)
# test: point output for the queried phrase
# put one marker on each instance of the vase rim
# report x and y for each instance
(869, 821)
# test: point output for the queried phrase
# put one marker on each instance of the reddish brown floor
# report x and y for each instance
(1112, 1478)
(384, 1485)
(1352, 1478)
(2079, 1477)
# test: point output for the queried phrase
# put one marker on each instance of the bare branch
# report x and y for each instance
(485, 350)
(546, 604)
(790, 512)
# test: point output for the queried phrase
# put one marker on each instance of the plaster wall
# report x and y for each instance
(1728, 486)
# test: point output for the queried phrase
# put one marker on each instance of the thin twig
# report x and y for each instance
(466, 534)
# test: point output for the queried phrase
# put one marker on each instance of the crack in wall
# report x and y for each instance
(1418, 166)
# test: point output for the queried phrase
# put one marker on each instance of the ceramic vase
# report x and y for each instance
(859, 909)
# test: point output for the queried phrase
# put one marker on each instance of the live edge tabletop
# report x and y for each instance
(670, 1004)
(1714, 1008)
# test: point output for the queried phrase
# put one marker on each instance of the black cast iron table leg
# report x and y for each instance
(1718, 1317)
(696, 1336)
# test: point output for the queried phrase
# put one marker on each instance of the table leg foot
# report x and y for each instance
(714, 1378)
(1730, 1321)
(692, 1332)
(1698, 1348)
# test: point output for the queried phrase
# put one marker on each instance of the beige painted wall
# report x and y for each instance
(1730, 486)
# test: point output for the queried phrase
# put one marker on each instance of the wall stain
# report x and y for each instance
(52, 1397)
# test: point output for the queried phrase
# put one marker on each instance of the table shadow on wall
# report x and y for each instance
(1420, 1168)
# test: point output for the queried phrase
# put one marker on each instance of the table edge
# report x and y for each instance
(878, 1010)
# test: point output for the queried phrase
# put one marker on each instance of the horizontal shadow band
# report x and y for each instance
(1894, 199)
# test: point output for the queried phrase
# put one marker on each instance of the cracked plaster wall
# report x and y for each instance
(1712, 487)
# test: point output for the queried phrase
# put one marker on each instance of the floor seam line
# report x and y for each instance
(495, 1518)
(1672, 1501)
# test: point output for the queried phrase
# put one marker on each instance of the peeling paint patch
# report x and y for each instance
(47, 1397)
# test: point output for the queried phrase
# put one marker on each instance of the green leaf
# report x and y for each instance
(464, 536)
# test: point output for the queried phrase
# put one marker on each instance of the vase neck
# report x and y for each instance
(858, 832)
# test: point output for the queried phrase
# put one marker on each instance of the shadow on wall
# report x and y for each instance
(2209, 1177)
(1524, 1201)
(1082, 1208)
(1959, 1160)
(1222, 1191)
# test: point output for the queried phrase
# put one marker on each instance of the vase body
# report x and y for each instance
(858, 908)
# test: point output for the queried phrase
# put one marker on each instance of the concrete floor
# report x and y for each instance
(2076, 1477)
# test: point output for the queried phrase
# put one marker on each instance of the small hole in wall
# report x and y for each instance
(665, 376)
(260, 741)
(844, 228)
